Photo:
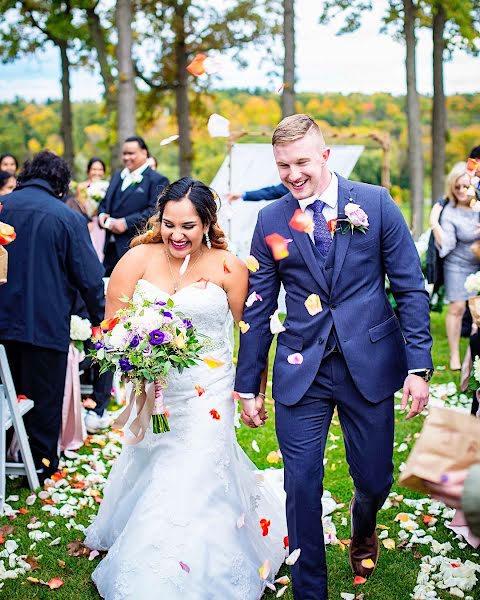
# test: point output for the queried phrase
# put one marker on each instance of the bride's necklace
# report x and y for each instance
(176, 282)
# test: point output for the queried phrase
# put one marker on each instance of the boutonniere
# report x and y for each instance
(355, 218)
(137, 178)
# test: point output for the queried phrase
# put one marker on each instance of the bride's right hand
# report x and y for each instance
(254, 413)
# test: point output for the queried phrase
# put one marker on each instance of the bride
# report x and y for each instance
(182, 513)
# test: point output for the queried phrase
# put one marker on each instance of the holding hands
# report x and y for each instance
(254, 413)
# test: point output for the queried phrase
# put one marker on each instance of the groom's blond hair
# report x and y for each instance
(294, 128)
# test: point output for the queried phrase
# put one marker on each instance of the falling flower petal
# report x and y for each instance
(254, 297)
(241, 521)
(313, 305)
(293, 557)
(89, 403)
(93, 554)
(264, 526)
(46, 462)
(389, 544)
(200, 389)
(213, 362)
(368, 563)
(284, 580)
(282, 591)
(226, 268)
(244, 327)
(108, 324)
(265, 569)
(215, 414)
(218, 126)
(359, 580)
(275, 323)
(196, 67)
(332, 225)
(295, 359)
(255, 446)
(184, 266)
(285, 542)
(278, 245)
(184, 566)
(167, 140)
(301, 221)
(252, 264)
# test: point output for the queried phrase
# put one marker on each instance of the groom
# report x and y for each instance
(342, 348)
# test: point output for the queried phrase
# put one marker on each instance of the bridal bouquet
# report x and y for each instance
(145, 340)
(80, 331)
(95, 194)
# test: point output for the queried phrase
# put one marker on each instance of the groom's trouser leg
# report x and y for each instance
(302, 431)
(368, 431)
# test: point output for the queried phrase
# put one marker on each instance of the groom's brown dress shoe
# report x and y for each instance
(363, 549)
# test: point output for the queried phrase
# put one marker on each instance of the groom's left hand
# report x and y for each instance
(418, 389)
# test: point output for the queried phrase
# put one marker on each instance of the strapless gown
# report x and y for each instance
(181, 511)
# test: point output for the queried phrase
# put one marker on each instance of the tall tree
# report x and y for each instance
(36, 25)
(178, 30)
(402, 14)
(126, 98)
(288, 95)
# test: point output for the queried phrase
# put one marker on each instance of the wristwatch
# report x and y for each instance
(425, 374)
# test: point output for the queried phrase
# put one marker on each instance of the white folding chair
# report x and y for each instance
(11, 414)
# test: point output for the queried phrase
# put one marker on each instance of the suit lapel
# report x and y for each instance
(304, 244)
(342, 242)
(132, 187)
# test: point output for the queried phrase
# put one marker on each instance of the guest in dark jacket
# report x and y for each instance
(51, 260)
(129, 202)
(271, 192)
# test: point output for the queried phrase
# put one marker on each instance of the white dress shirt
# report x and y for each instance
(329, 196)
(129, 177)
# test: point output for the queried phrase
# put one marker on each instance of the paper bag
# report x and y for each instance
(3, 265)
(449, 441)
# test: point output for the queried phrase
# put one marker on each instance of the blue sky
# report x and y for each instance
(364, 61)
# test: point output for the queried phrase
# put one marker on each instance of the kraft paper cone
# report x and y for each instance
(449, 441)
(3, 265)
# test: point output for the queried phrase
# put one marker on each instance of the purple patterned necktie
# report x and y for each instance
(321, 234)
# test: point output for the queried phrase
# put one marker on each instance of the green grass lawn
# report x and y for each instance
(394, 579)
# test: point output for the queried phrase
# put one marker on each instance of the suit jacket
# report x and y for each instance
(136, 204)
(378, 348)
(51, 260)
(271, 192)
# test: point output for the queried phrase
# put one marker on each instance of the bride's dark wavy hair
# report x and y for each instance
(203, 199)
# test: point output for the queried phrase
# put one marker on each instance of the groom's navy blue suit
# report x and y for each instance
(356, 354)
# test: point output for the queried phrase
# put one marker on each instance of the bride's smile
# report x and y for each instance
(181, 228)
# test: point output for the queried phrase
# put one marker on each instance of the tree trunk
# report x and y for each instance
(415, 154)
(66, 127)
(182, 106)
(288, 95)
(126, 99)
(439, 111)
(98, 42)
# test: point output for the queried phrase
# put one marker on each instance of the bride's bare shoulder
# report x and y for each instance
(135, 261)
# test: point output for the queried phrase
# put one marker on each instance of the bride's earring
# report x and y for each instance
(207, 240)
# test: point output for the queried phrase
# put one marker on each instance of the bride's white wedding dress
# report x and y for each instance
(181, 511)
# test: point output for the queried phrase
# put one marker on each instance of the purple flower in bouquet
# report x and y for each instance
(147, 351)
(125, 364)
(134, 341)
(99, 345)
(160, 303)
(167, 316)
(188, 324)
(158, 337)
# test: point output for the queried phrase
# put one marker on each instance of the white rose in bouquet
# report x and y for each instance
(95, 194)
(472, 283)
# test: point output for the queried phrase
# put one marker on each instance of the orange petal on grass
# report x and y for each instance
(213, 362)
(23, 511)
(196, 67)
(301, 221)
(55, 583)
(403, 517)
(359, 580)
(252, 264)
(278, 245)
(273, 457)
(200, 389)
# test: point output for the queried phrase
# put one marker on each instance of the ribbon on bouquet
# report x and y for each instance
(148, 403)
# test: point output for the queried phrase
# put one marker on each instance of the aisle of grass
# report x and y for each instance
(394, 579)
